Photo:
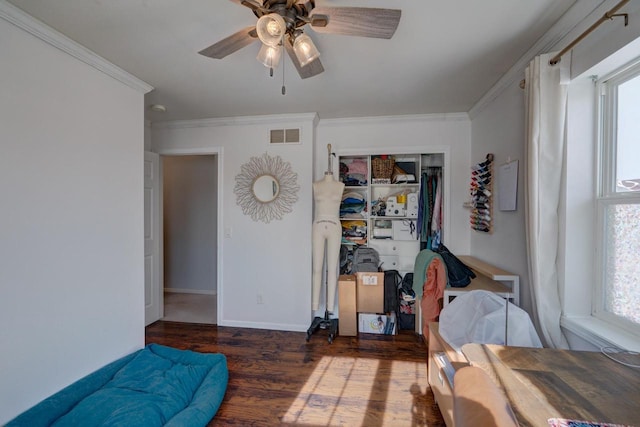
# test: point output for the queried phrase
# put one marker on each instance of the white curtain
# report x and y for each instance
(546, 100)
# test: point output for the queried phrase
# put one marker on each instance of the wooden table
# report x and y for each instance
(546, 383)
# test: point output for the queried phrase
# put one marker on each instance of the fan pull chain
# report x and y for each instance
(284, 90)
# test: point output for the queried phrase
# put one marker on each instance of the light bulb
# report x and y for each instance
(271, 28)
(269, 56)
(304, 47)
(305, 50)
(274, 28)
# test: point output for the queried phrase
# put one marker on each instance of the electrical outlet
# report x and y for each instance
(259, 299)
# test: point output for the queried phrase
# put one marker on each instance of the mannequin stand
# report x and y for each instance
(324, 323)
(327, 233)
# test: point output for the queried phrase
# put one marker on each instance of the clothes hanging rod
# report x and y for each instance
(608, 16)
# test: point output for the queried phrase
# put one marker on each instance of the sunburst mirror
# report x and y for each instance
(266, 188)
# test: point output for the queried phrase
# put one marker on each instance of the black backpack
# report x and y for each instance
(346, 258)
(407, 282)
(365, 259)
(392, 280)
(458, 273)
(406, 309)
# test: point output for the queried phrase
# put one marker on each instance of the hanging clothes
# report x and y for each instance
(425, 204)
(436, 223)
(429, 281)
(421, 212)
(430, 208)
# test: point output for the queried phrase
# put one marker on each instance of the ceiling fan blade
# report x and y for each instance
(356, 21)
(307, 4)
(255, 5)
(234, 42)
(313, 68)
(251, 4)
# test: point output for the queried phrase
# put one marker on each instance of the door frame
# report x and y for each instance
(218, 152)
(156, 311)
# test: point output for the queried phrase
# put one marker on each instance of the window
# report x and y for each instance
(617, 295)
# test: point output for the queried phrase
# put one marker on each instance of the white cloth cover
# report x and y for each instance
(479, 317)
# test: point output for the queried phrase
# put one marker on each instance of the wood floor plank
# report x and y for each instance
(277, 378)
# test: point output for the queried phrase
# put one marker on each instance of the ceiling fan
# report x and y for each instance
(280, 24)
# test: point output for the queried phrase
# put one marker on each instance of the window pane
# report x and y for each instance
(622, 287)
(628, 138)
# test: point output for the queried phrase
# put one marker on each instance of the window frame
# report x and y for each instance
(607, 196)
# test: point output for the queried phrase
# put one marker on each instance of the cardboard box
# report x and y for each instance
(377, 323)
(348, 317)
(370, 292)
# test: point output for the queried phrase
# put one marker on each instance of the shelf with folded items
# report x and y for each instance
(396, 185)
(354, 231)
(354, 204)
(354, 171)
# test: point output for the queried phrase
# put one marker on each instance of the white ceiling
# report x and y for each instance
(444, 56)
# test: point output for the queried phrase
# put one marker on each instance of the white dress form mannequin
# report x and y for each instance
(327, 194)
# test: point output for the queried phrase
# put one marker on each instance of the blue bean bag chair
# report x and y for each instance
(154, 386)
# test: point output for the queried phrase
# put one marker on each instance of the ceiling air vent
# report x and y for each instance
(285, 136)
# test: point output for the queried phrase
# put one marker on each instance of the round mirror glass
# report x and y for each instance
(266, 188)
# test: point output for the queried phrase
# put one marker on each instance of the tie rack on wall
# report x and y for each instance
(480, 191)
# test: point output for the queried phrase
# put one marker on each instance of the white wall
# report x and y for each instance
(418, 134)
(271, 260)
(274, 260)
(498, 127)
(147, 135)
(190, 185)
(71, 221)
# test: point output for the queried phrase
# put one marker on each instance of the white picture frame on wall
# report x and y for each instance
(508, 186)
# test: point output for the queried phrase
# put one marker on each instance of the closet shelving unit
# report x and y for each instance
(393, 235)
(358, 235)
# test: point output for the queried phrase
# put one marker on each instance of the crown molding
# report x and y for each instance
(313, 117)
(237, 121)
(565, 26)
(26, 22)
(436, 117)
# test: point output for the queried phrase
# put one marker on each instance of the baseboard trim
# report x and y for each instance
(191, 291)
(269, 326)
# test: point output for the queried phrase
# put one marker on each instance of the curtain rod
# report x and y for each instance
(608, 16)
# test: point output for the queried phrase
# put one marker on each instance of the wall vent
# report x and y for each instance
(285, 136)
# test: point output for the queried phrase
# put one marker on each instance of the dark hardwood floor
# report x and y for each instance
(277, 378)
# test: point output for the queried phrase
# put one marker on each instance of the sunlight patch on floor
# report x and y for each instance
(406, 393)
(330, 395)
(340, 390)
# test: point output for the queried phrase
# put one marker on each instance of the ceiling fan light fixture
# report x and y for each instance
(271, 28)
(304, 49)
(269, 56)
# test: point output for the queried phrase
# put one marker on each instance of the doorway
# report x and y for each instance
(190, 237)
